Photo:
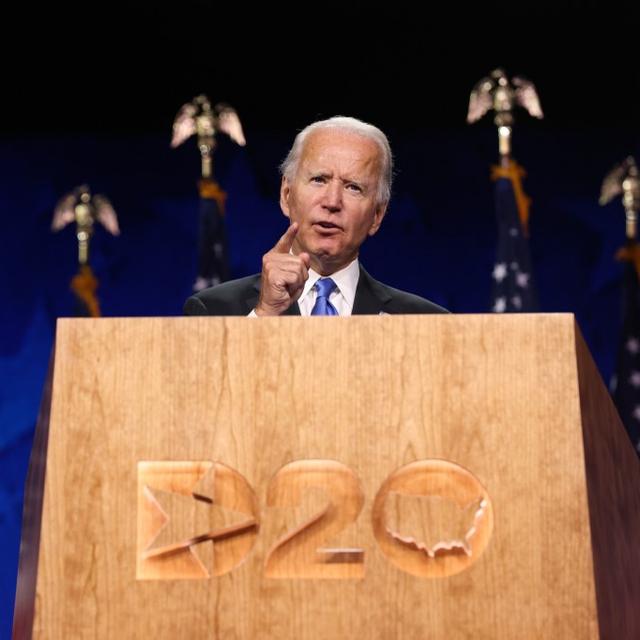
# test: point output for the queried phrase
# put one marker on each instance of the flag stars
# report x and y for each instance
(633, 345)
(500, 272)
(513, 282)
(500, 305)
(636, 412)
(634, 379)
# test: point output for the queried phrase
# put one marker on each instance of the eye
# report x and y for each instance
(318, 179)
(356, 188)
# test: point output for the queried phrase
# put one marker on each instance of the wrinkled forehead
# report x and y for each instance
(340, 149)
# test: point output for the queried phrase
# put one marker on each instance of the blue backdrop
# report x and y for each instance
(438, 240)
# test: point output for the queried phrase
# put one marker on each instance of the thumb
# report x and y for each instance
(286, 241)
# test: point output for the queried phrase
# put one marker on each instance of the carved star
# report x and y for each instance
(193, 518)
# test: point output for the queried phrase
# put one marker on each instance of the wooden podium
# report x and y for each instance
(385, 477)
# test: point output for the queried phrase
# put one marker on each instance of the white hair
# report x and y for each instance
(289, 166)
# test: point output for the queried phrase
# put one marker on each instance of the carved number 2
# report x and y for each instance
(298, 554)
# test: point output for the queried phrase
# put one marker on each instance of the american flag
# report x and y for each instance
(513, 285)
(625, 384)
(213, 262)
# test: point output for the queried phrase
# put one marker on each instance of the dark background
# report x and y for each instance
(116, 67)
(90, 92)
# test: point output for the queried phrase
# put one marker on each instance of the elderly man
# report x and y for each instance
(336, 185)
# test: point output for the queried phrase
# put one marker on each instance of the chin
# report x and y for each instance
(330, 261)
(330, 244)
(326, 253)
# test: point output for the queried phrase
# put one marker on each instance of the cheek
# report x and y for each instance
(299, 204)
(292, 205)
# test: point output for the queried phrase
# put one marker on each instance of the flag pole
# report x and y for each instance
(200, 118)
(513, 287)
(623, 180)
(85, 209)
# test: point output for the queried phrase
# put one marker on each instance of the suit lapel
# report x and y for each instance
(252, 298)
(371, 296)
(293, 310)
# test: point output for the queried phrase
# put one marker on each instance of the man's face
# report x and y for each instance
(333, 197)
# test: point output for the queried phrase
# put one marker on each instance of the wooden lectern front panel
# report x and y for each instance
(367, 477)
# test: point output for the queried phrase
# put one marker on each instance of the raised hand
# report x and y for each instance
(283, 276)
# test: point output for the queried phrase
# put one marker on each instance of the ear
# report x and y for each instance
(285, 192)
(378, 216)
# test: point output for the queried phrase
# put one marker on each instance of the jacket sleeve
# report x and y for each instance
(194, 307)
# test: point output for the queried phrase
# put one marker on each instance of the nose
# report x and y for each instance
(333, 196)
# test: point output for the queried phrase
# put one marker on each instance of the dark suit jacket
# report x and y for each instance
(239, 297)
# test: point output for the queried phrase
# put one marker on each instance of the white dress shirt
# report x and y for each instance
(342, 297)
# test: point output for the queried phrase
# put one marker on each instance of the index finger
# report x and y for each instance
(286, 241)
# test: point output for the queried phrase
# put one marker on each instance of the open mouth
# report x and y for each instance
(327, 226)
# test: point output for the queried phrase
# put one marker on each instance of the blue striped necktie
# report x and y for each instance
(322, 307)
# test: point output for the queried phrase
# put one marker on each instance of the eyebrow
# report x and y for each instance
(327, 174)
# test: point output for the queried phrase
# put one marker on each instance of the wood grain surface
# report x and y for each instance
(497, 395)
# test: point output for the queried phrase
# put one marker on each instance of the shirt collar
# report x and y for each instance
(346, 280)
